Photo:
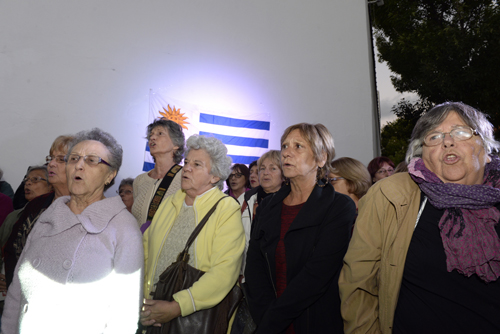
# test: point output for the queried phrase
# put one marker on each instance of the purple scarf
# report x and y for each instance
(467, 227)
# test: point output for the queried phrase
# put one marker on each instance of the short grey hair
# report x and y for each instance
(434, 117)
(115, 149)
(129, 181)
(217, 151)
(175, 133)
(42, 168)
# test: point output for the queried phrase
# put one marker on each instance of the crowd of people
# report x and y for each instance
(316, 244)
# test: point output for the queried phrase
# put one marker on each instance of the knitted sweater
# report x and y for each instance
(144, 189)
(78, 273)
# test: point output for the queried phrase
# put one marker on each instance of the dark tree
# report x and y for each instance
(443, 50)
(395, 135)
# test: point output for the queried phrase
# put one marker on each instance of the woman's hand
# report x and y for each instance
(157, 312)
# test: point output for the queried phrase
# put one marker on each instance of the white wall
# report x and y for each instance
(67, 66)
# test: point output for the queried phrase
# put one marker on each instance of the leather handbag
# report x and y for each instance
(180, 276)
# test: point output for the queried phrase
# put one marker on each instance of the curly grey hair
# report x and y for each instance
(175, 133)
(217, 151)
(42, 168)
(434, 117)
(115, 149)
(129, 181)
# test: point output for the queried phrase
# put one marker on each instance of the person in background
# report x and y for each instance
(350, 177)
(425, 253)
(36, 183)
(166, 145)
(401, 167)
(5, 187)
(126, 192)
(299, 238)
(380, 167)
(238, 181)
(6, 207)
(81, 269)
(219, 246)
(22, 228)
(254, 174)
(271, 178)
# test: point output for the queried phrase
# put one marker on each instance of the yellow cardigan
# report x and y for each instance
(218, 248)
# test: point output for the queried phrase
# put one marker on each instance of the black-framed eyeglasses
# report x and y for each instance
(236, 175)
(334, 179)
(34, 179)
(123, 191)
(58, 158)
(458, 134)
(91, 160)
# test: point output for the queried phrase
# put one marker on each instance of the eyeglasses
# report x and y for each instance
(458, 134)
(91, 160)
(122, 191)
(384, 171)
(57, 158)
(34, 179)
(236, 175)
(334, 179)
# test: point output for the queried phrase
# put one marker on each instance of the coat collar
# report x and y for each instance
(94, 219)
(314, 208)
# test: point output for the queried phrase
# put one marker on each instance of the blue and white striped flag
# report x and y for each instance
(246, 135)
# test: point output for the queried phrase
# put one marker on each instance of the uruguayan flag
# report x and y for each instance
(246, 135)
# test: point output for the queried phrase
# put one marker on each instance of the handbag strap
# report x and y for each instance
(159, 194)
(198, 228)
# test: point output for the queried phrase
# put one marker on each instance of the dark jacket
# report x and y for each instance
(315, 245)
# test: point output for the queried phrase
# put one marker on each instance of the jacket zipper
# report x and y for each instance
(271, 276)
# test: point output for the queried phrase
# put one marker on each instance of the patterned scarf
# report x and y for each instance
(467, 227)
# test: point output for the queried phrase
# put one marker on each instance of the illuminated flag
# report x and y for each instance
(246, 135)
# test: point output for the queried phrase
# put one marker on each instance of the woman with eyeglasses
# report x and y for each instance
(238, 181)
(21, 229)
(380, 168)
(81, 269)
(126, 192)
(350, 177)
(425, 253)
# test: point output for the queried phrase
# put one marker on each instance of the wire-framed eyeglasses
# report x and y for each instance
(57, 158)
(458, 134)
(91, 160)
(34, 179)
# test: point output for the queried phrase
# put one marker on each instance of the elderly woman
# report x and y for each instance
(254, 174)
(271, 178)
(81, 269)
(425, 254)
(380, 168)
(219, 246)
(36, 183)
(166, 145)
(22, 228)
(299, 238)
(350, 177)
(238, 181)
(126, 192)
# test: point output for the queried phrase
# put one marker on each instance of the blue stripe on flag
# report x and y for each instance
(238, 141)
(242, 159)
(147, 166)
(234, 122)
(147, 147)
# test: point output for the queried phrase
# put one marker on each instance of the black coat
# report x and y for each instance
(315, 245)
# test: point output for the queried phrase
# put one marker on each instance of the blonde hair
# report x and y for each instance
(61, 144)
(320, 140)
(275, 157)
(355, 173)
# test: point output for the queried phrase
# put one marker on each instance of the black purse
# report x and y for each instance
(179, 276)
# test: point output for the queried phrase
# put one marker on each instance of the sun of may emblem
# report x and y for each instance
(175, 116)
